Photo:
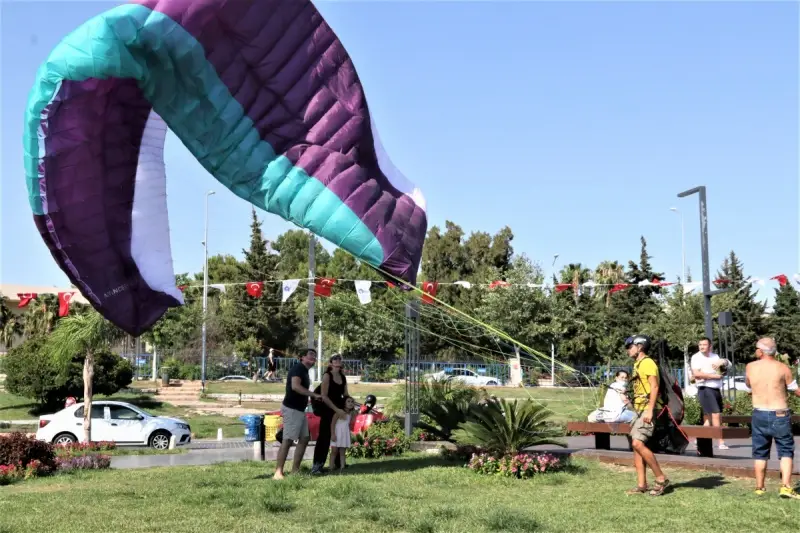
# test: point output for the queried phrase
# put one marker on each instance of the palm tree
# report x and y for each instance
(41, 315)
(609, 273)
(10, 324)
(84, 333)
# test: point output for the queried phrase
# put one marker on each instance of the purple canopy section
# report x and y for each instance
(321, 122)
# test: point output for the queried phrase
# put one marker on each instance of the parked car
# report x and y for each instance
(117, 422)
(465, 376)
(234, 378)
(736, 382)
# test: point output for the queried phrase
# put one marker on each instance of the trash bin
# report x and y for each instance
(165, 376)
(272, 424)
(252, 427)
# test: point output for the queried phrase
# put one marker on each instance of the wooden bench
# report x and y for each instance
(704, 434)
(736, 420)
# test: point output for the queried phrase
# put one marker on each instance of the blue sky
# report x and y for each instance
(576, 124)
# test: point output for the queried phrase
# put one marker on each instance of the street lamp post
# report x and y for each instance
(707, 292)
(205, 297)
(683, 244)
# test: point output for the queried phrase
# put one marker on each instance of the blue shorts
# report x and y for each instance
(769, 426)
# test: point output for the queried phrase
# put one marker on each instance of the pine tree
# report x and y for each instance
(784, 324)
(748, 314)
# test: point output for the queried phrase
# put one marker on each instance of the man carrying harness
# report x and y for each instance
(646, 400)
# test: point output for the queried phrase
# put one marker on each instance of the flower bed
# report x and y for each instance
(366, 446)
(83, 462)
(76, 449)
(520, 466)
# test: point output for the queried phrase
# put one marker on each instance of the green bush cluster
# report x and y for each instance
(181, 370)
(33, 372)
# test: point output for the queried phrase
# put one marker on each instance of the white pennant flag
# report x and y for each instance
(289, 286)
(796, 278)
(362, 289)
(219, 286)
(465, 284)
(690, 287)
(590, 285)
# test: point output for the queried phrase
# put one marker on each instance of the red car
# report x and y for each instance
(365, 417)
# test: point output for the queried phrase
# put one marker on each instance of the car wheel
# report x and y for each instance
(64, 439)
(491, 383)
(159, 440)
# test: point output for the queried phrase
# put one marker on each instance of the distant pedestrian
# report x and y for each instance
(293, 411)
(271, 366)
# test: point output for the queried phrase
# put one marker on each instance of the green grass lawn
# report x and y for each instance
(15, 407)
(417, 494)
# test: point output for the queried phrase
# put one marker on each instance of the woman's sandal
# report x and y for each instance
(659, 487)
(637, 490)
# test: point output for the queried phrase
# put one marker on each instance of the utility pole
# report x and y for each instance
(319, 351)
(312, 267)
(707, 292)
(205, 297)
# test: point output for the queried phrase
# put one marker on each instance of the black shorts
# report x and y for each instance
(710, 400)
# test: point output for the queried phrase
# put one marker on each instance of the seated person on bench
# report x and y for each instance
(616, 405)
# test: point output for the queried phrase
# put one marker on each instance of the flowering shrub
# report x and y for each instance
(84, 462)
(20, 450)
(9, 474)
(15, 472)
(520, 466)
(75, 449)
(367, 446)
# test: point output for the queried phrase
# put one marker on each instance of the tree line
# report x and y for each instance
(586, 326)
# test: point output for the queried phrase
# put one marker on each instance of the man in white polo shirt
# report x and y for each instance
(706, 369)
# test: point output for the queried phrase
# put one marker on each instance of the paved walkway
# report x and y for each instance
(196, 457)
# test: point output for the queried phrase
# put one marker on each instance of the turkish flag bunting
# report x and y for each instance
(618, 287)
(660, 283)
(64, 298)
(721, 281)
(182, 287)
(429, 289)
(323, 287)
(782, 279)
(25, 298)
(499, 283)
(255, 288)
(561, 287)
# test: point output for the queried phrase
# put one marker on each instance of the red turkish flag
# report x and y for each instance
(255, 288)
(721, 281)
(660, 283)
(429, 289)
(391, 285)
(182, 287)
(782, 279)
(25, 298)
(561, 287)
(64, 298)
(499, 283)
(618, 287)
(323, 287)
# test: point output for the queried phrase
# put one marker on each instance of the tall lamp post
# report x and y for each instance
(683, 244)
(205, 297)
(707, 292)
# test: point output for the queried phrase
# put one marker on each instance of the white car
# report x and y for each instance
(738, 384)
(466, 376)
(117, 422)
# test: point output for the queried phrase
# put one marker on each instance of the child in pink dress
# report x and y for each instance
(340, 432)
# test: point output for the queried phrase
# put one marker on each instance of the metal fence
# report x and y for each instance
(384, 371)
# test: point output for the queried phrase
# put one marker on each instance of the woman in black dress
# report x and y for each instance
(333, 390)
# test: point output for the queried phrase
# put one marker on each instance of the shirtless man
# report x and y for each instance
(772, 420)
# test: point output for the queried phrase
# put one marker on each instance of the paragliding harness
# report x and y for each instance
(668, 437)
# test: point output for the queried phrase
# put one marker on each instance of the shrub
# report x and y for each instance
(435, 392)
(32, 372)
(367, 446)
(692, 415)
(77, 449)
(520, 466)
(503, 428)
(84, 462)
(21, 450)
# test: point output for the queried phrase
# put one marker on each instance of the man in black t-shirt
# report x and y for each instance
(295, 423)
